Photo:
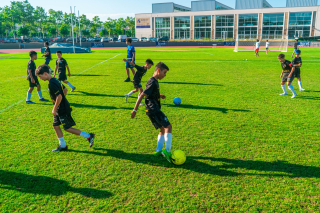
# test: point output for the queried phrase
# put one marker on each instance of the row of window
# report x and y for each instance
(272, 26)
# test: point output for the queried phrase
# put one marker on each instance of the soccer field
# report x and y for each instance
(248, 148)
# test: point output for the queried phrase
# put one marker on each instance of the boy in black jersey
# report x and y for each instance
(297, 63)
(153, 110)
(295, 47)
(141, 71)
(287, 75)
(47, 55)
(61, 65)
(32, 78)
(61, 110)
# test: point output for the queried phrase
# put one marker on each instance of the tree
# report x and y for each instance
(130, 21)
(85, 33)
(64, 30)
(103, 33)
(24, 31)
(120, 26)
(109, 25)
(41, 18)
(52, 31)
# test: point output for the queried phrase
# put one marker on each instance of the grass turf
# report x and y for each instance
(248, 149)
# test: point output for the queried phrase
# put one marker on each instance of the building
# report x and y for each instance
(213, 20)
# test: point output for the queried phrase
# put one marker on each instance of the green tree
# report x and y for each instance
(109, 25)
(24, 31)
(130, 22)
(64, 30)
(52, 31)
(103, 33)
(85, 33)
(41, 18)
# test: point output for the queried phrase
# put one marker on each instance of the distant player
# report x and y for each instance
(61, 110)
(297, 63)
(33, 79)
(61, 65)
(257, 46)
(153, 110)
(141, 71)
(296, 47)
(267, 47)
(131, 56)
(47, 55)
(287, 75)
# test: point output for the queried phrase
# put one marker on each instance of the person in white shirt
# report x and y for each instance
(257, 46)
(267, 47)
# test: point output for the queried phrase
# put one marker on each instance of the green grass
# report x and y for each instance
(248, 149)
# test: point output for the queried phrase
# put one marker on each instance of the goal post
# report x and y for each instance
(247, 42)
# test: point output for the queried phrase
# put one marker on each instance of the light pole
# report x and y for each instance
(79, 28)
(74, 51)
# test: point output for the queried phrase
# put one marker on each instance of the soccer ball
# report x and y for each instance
(177, 101)
(246, 59)
(178, 157)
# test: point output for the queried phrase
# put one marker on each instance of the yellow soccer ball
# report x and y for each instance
(178, 157)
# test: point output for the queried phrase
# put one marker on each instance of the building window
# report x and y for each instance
(224, 26)
(224, 32)
(299, 25)
(162, 27)
(272, 26)
(248, 32)
(248, 26)
(182, 27)
(248, 20)
(202, 27)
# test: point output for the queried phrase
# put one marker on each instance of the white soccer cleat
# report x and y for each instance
(284, 94)
(294, 95)
(302, 89)
(126, 97)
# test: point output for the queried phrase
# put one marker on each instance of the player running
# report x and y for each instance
(47, 55)
(61, 110)
(141, 71)
(287, 75)
(153, 110)
(296, 47)
(61, 65)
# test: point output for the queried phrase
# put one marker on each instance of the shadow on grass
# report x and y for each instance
(309, 98)
(96, 94)
(190, 83)
(44, 185)
(223, 110)
(192, 164)
(97, 106)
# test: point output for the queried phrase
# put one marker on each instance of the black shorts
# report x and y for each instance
(297, 73)
(285, 77)
(158, 119)
(66, 120)
(36, 82)
(137, 84)
(62, 77)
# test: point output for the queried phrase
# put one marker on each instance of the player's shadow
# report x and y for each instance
(96, 94)
(223, 110)
(76, 105)
(201, 164)
(309, 98)
(192, 83)
(44, 185)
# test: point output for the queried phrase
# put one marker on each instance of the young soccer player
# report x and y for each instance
(141, 71)
(287, 75)
(267, 47)
(32, 78)
(61, 65)
(61, 110)
(47, 55)
(153, 110)
(296, 47)
(131, 56)
(297, 63)
(257, 46)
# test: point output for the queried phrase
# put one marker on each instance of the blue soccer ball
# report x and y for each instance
(177, 101)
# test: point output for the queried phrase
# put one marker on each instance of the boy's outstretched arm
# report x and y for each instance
(130, 62)
(134, 111)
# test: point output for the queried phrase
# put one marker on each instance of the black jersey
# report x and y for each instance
(141, 71)
(286, 66)
(48, 51)
(61, 63)
(152, 100)
(296, 61)
(296, 45)
(56, 88)
(32, 67)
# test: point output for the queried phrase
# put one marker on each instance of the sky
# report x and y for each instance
(117, 8)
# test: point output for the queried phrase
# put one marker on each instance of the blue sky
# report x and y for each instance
(116, 8)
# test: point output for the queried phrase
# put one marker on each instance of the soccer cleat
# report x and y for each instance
(29, 102)
(157, 154)
(126, 97)
(59, 149)
(73, 89)
(91, 139)
(284, 94)
(167, 155)
(294, 95)
(302, 89)
(43, 99)
(127, 80)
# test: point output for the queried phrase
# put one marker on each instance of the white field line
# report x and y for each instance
(13, 79)
(8, 107)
